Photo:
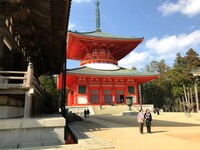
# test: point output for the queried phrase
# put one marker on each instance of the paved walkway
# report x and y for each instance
(170, 131)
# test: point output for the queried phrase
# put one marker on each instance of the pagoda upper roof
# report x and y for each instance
(101, 34)
(80, 43)
(139, 77)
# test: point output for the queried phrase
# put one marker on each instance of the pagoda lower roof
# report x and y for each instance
(81, 43)
(140, 77)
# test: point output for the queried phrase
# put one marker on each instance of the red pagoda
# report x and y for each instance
(99, 80)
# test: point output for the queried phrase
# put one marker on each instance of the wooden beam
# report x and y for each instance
(13, 78)
(11, 86)
(13, 91)
(14, 1)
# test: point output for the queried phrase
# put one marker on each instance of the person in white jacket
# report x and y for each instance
(140, 119)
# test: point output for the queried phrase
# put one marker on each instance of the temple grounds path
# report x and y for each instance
(170, 131)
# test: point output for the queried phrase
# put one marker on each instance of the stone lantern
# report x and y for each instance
(129, 101)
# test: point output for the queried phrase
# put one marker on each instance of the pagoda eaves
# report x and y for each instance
(121, 73)
(81, 44)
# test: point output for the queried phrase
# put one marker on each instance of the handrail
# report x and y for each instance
(13, 79)
(18, 80)
(38, 88)
(13, 72)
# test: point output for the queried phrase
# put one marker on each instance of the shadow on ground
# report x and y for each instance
(131, 121)
(104, 122)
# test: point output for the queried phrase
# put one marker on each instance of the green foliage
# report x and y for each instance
(48, 83)
(168, 89)
(134, 68)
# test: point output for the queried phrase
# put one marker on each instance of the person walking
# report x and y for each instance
(88, 113)
(85, 113)
(157, 110)
(140, 119)
(100, 106)
(148, 119)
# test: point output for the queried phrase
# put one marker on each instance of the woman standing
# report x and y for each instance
(140, 119)
(148, 119)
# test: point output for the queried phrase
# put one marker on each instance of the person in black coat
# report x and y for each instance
(85, 113)
(148, 119)
(157, 110)
(88, 113)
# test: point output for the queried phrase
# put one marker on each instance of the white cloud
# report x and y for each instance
(71, 26)
(173, 44)
(135, 59)
(186, 7)
(164, 48)
(80, 1)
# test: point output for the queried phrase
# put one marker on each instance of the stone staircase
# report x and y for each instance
(106, 109)
(115, 109)
(79, 110)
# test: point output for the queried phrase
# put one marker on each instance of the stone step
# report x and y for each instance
(109, 109)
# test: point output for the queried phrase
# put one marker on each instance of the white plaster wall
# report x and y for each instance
(103, 66)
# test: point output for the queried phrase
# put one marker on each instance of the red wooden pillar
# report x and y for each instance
(75, 92)
(100, 92)
(88, 91)
(113, 96)
(125, 90)
(70, 98)
(113, 92)
(136, 93)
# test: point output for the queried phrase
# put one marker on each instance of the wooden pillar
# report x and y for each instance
(75, 97)
(125, 90)
(136, 93)
(88, 91)
(2, 28)
(29, 92)
(1, 43)
(140, 96)
(113, 93)
(1, 48)
(70, 98)
(101, 92)
(113, 96)
(2, 25)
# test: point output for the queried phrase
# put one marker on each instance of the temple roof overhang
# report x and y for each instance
(81, 43)
(38, 30)
(121, 73)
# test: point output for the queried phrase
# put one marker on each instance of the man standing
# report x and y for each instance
(85, 113)
(88, 112)
(157, 110)
(140, 119)
(148, 119)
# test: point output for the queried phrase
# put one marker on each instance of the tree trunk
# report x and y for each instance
(188, 95)
(185, 94)
(192, 104)
(196, 95)
(181, 104)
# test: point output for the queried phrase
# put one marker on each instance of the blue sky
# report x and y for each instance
(168, 26)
